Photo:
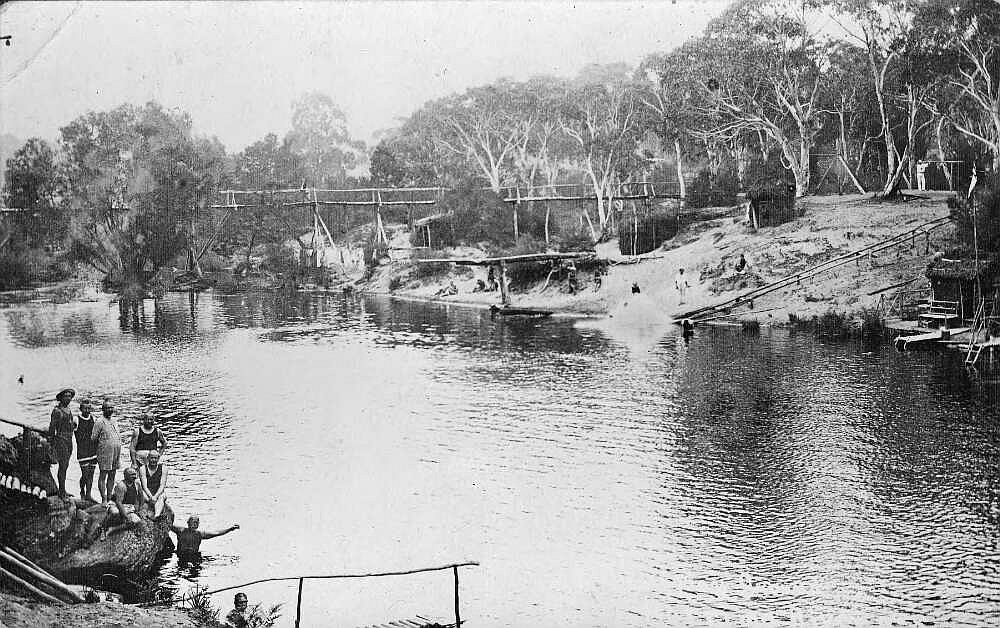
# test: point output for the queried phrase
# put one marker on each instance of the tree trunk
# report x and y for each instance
(680, 168)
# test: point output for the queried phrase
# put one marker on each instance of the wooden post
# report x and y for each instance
(504, 297)
(458, 615)
(298, 606)
(517, 192)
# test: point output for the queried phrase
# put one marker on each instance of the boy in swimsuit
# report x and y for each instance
(189, 539)
(146, 438)
(86, 450)
(124, 513)
(153, 480)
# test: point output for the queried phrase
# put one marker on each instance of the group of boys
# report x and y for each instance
(99, 447)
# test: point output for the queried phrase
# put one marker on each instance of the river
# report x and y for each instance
(601, 476)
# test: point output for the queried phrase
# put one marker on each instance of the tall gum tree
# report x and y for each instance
(964, 36)
(764, 70)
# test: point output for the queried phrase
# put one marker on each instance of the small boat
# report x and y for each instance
(518, 311)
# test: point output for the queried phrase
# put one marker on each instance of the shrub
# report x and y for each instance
(20, 267)
(577, 242)
(985, 207)
(873, 324)
(833, 325)
(395, 283)
(750, 326)
(707, 190)
(429, 269)
(774, 201)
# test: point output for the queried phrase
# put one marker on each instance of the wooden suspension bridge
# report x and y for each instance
(376, 200)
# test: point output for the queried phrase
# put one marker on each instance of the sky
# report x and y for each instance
(237, 67)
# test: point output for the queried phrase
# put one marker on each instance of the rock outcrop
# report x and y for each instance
(63, 536)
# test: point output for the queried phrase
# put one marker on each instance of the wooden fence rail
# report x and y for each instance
(301, 579)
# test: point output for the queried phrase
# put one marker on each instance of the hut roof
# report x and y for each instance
(964, 268)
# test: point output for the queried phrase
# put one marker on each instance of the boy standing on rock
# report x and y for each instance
(61, 428)
(86, 450)
(108, 442)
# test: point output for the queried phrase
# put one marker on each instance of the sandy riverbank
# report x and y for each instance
(829, 227)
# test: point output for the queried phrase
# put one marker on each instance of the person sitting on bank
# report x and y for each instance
(146, 438)
(237, 618)
(153, 480)
(742, 264)
(61, 428)
(86, 450)
(189, 539)
(108, 441)
(124, 513)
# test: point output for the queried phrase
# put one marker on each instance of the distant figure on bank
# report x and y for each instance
(108, 441)
(921, 175)
(61, 428)
(742, 264)
(189, 539)
(86, 450)
(635, 288)
(491, 280)
(153, 480)
(146, 438)
(237, 618)
(124, 513)
(598, 279)
(681, 284)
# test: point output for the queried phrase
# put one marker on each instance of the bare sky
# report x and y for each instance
(236, 67)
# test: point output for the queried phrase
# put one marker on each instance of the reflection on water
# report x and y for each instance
(603, 476)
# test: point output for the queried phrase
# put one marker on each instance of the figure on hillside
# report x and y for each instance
(447, 291)
(922, 175)
(598, 279)
(146, 438)
(108, 441)
(189, 539)
(480, 286)
(681, 284)
(153, 480)
(491, 280)
(61, 428)
(237, 618)
(124, 513)
(86, 450)
(742, 264)
(572, 280)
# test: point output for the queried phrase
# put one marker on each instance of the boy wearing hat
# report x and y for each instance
(61, 428)
(108, 442)
(86, 450)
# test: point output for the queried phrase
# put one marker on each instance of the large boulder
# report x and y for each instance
(63, 537)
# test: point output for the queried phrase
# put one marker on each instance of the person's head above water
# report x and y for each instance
(193, 522)
(240, 600)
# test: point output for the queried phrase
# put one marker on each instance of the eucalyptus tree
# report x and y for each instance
(35, 181)
(320, 138)
(963, 39)
(764, 70)
(601, 121)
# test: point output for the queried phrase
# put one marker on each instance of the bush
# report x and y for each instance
(985, 207)
(578, 242)
(21, 267)
(773, 200)
(873, 324)
(395, 283)
(707, 190)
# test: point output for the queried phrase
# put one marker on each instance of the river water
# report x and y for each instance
(602, 476)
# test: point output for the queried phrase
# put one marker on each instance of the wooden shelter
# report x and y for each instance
(964, 281)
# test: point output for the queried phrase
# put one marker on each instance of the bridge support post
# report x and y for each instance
(458, 615)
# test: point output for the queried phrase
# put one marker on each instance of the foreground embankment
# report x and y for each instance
(709, 252)
(21, 612)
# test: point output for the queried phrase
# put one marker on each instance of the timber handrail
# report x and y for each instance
(298, 607)
(822, 267)
(24, 426)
